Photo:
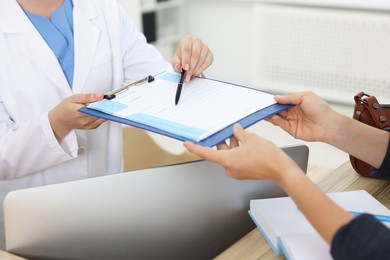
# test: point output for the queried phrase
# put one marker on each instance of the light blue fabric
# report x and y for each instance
(58, 34)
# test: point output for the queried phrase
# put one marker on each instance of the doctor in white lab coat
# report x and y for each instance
(43, 139)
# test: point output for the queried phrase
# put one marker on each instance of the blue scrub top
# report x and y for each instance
(58, 34)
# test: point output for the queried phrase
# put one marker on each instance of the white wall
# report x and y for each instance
(133, 9)
(226, 27)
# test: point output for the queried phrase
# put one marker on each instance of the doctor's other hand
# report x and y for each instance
(310, 119)
(64, 117)
(248, 157)
(193, 56)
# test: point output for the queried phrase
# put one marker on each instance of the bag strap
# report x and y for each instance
(364, 101)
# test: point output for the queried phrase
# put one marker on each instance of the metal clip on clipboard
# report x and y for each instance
(112, 94)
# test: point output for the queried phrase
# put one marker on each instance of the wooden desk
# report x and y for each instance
(254, 245)
(7, 256)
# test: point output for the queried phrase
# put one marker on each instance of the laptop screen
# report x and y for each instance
(191, 210)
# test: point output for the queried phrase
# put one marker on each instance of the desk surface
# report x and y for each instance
(7, 256)
(254, 246)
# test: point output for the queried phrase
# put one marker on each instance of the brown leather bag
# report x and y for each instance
(369, 111)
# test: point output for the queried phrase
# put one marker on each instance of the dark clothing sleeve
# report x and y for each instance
(363, 238)
(384, 171)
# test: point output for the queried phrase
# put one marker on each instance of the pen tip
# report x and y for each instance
(150, 78)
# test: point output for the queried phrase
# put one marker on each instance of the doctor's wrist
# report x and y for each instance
(59, 131)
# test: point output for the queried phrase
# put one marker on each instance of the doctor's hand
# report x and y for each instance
(248, 157)
(64, 117)
(311, 119)
(193, 56)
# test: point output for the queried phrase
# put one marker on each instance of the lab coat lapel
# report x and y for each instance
(32, 44)
(86, 37)
(43, 57)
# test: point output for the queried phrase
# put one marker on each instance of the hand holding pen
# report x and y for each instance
(193, 56)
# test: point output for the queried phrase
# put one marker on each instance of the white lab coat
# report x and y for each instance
(108, 51)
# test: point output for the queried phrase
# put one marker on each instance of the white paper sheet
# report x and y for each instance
(205, 106)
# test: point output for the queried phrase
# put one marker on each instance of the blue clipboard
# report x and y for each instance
(210, 141)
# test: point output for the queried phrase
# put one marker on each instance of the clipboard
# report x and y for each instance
(211, 140)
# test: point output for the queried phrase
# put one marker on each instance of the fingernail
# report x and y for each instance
(177, 67)
(188, 78)
(98, 95)
(186, 67)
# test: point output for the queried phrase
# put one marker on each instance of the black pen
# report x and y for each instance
(179, 86)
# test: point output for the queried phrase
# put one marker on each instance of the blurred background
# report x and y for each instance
(335, 48)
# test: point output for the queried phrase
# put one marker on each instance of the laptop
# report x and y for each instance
(185, 211)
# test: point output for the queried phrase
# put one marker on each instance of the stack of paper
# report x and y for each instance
(288, 232)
